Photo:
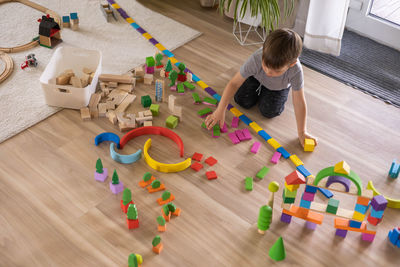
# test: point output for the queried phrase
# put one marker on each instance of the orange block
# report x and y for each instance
(152, 190)
(163, 202)
(167, 218)
(161, 228)
(305, 214)
(340, 223)
(363, 201)
(315, 217)
(143, 184)
(157, 249)
(177, 212)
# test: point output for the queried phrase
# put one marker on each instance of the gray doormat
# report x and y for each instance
(363, 64)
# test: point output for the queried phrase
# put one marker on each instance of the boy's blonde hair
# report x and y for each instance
(281, 48)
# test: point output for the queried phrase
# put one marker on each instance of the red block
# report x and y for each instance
(211, 175)
(197, 166)
(295, 178)
(132, 224)
(373, 220)
(125, 207)
(211, 161)
(181, 77)
(197, 156)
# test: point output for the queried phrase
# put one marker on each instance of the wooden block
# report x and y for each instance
(128, 120)
(178, 112)
(318, 206)
(103, 86)
(87, 70)
(162, 73)
(94, 113)
(102, 108)
(143, 119)
(147, 113)
(139, 72)
(345, 213)
(76, 82)
(148, 123)
(112, 84)
(125, 103)
(63, 79)
(85, 79)
(112, 117)
(127, 87)
(94, 101)
(85, 114)
(110, 105)
(171, 103)
(141, 114)
(118, 99)
(148, 79)
(116, 78)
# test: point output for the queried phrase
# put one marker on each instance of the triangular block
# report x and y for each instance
(277, 251)
(342, 167)
(295, 178)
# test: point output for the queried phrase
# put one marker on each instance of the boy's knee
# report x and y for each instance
(244, 103)
(270, 112)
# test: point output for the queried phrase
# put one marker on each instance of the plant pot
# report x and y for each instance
(116, 188)
(125, 207)
(101, 176)
(132, 224)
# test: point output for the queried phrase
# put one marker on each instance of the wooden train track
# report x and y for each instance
(9, 66)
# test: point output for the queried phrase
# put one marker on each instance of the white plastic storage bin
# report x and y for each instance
(74, 58)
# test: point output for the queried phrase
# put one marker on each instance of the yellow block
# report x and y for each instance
(309, 145)
(255, 126)
(161, 47)
(296, 161)
(173, 60)
(236, 112)
(292, 187)
(130, 20)
(115, 5)
(202, 84)
(163, 167)
(342, 167)
(358, 216)
(274, 143)
(147, 35)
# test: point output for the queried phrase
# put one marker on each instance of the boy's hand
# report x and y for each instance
(304, 135)
(214, 118)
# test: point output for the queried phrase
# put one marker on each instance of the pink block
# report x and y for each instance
(308, 196)
(367, 237)
(247, 135)
(235, 122)
(224, 129)
(234, 138)
(239, 135)
(101, 176)
(173, 88)
(276, 157)
(209, 104)
(116, 188)
(255, 147)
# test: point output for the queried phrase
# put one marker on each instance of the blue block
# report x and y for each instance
(311, 189)
(195, 78)
(264, 135)
(284, 153)
(245, 119)
(394, 170)
(304, 203)
(217, 96)
(361, 208)
(376, 214)
(326, 192)
(135, 25)
(107, 137)
(355, 224)
(394, 236)
(74, 15)
(303, 170)
(168, 53)
(65, 19)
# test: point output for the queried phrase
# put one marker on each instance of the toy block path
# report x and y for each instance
(50, 195)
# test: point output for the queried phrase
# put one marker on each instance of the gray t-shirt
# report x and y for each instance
(292, 77)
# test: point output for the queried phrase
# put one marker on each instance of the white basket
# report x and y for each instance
(74, 58)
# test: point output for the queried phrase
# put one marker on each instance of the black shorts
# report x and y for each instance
(271, 103)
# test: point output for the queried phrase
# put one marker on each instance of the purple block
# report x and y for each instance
(141, 30)
(153, 41)
(255, 147)
(225, 128)
(341, 232)
(247, 135)
(101, 176)
(339, 179)
(367, 237)
(116, 188)
(235, 122)
(240, 135)
(210, 91)
(311, 225)
(379, 203)
(123, 13)
(229, 107)
(111, 2)
(234, 138)
(149, 70)
(286, 218)
(308, 196)
(275, 158)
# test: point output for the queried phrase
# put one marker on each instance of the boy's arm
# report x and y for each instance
(229, 91)
(300, 111)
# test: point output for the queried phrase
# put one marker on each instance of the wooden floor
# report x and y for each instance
(53, 213)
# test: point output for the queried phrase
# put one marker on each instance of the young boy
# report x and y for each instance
(266, 77)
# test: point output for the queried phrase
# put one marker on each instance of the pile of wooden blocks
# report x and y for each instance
(68, 77)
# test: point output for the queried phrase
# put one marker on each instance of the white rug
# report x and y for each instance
(21, 99)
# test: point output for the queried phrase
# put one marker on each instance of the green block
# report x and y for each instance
(150, 62)
(290, 194)
(171, 122)
(154, 108)
(216, 130)
(287, 200)
(180, 88)
(261, 174)
(196, 98)
(146, 101)
(277, 251)
(333, 205)
(204, 111)
(248, 183)
(210, 100)
(189, 85)
(204, 125)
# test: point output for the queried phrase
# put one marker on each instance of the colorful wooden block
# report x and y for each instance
(240, 135)
(308, 196)
(204, 112)
(235, 122)
(197, 156)
(211, 175)
(275, 158)
(234, 138)
(274, 143)
(379, 203)
(361, 208)
(171, 122)
(296, 161)
(284, 153)
(305, 204)
(256, 146)
(196, 166)
(342, 167)
(246, 134)
(248, 183)
(211, 161)
(358, 216)
(333, 205)
(354, 224)
(292, 187)
(289, 194)
(376, 214)
(311, 189)
(261, 173)
(295, 178)
(309, 145)
(155, 109)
